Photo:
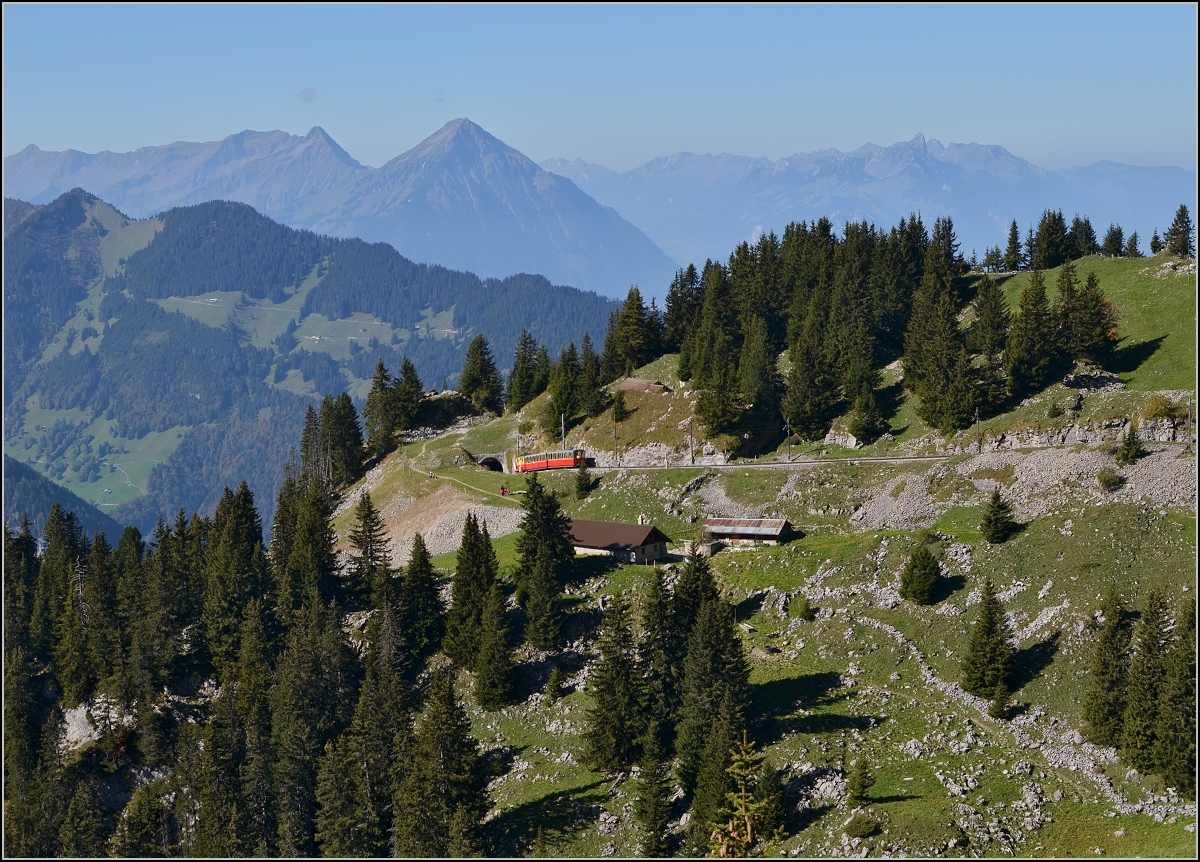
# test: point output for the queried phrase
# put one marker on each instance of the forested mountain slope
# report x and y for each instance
(147, 363)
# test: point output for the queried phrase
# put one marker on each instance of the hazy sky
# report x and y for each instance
(613, 85)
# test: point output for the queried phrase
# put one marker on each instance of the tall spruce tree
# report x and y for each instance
(474, 575)
(1029, 353)
(617, 720)
(1178, 239)
(379, 414)
(408, 395)
(522, 381)
(713, 782)
(494, 665)
(236, 573)
(741, 824)
(652, 805)
(544, 530)
(1175, 733)
(989, 653)
(370, 571)
(661, 653)
(1095, 325)
(420, 607)
(714, 670)
(684, 304)
(480, 381)
(441, 799)
(1012, 252)
(920, 577)
(998, 523)
(1139, 731)
(1104, 703)
(1114, 241)
(543, 613)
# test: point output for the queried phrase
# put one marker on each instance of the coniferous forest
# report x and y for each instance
(226, 682)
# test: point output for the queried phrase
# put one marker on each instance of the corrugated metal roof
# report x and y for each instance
(612, 536)
(772, 527)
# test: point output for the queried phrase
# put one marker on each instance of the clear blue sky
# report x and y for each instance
(614, 85)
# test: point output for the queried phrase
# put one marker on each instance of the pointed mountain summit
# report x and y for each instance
(461, 198)
(465, 199)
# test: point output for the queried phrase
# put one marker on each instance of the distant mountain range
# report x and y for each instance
(461, 198)
(698, 206)
(465, 200)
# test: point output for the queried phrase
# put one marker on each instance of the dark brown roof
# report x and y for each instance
(610, 536)
(750, 527)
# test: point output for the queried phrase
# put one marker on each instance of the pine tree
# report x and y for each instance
(1156, 244)
(714, 670)
(1104, 703)
(757, 377)
(236, 573)
(421, 612)
(407, 395)
(379, 414)
(998, 708)
(20, 576)
(618, 408)
(1131, 247)
(741, 823)
(583, 481)
(494, 665)
(591, 388)
(442, 797)
(475, 572)
(357, 772)
(712, 781)
(998, 523)
(661, 653)
(992, 319)
(313, 695)
(142, 828)
(1029, 351)
(652, 805)
(811, 396)
(1114, 241)
(1178, 238)
(480, 381)
(252, 697)
(1139, 741)
(545, 530)
(920, 577)
(83, 830)
(1052, 246)
(859, 783)
(522, 380)
(312, 562)
(685, 302)
(1065, 310)
(543, 626)
(1175, 733)
(1095, 328)
(370, 572)
(617, 718)
(1131, 446)
(989, 654)
(1012, 253)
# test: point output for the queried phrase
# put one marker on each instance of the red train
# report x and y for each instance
(549, 461)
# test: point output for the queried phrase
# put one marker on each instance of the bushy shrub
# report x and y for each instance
(920, 577)
(861, 825)
(1109, 479)
(1159, 407)
(802, 609)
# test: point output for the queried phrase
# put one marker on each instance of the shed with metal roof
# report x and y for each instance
(749, 531)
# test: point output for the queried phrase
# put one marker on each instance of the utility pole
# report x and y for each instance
(691, 445)
(788, 425)
(562, 417)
